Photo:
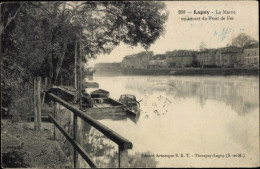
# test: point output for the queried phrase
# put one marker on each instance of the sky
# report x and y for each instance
(188, 35)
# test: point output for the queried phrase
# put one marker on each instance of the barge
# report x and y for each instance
(102, 103)
(105, 105)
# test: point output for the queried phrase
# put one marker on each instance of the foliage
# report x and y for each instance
(136, 160)
(38, 38)
(242, 40)
(8, 14)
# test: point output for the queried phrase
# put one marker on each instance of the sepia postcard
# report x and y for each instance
(130, 84)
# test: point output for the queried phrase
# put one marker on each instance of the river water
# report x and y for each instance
(184, 122)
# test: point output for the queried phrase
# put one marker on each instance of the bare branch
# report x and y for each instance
(74, 12)
(12, 17)
(41, 7)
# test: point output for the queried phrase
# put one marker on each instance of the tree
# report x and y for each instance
(38, 38)
(203, 46)
(9, 12)
(242, 40)
(100, 26)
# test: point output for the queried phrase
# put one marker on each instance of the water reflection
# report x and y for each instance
(100, 148)
(123, 116)
(111, 116)
(178, 115)
(103, 151)
(241, 95)
(192, 115)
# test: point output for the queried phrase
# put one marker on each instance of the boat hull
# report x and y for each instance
(112, 109)
(105, 105)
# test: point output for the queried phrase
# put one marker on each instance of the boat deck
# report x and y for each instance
(97, 105)
(100, 105)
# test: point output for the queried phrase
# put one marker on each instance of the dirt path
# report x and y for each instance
(23, 147)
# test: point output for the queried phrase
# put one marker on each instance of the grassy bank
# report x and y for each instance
(110, 71)
(22, 147)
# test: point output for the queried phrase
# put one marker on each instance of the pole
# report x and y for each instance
(75, 68)
(46, 82)
(38, 102)
(75, 127)
(43, 97)
(61, 82)
(35, 105)
(55, 117)
(123, 157)
(80, 76)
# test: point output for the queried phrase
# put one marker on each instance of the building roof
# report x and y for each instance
(230, 49)
(251, 46)
(180, 53)
(208, 51)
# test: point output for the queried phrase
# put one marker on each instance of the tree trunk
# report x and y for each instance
(59, 63)
(50, 65)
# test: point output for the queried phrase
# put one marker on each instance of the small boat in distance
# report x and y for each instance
(130, 102)
(90, 85)
(100, 93)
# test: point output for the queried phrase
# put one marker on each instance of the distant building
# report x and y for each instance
(228, 56)
(139, 60)
(250, 55)
(158, 61)
(181, 58)
(206, 58)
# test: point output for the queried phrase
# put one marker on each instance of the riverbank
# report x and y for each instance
(110, 71)
(215, 72)
(22, 147)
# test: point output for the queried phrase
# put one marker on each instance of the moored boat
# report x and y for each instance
(130, 102)
(100, 99)
(90, 85)
(100, 93)
(105, 105)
